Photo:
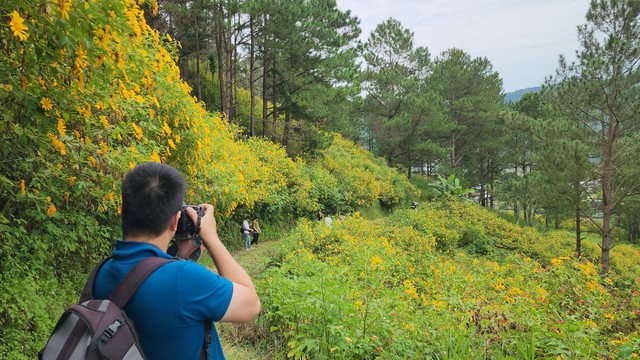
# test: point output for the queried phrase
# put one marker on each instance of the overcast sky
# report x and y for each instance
(522, 38)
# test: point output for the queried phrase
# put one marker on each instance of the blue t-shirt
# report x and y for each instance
(170, 308)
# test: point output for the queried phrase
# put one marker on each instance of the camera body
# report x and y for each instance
(186, 228)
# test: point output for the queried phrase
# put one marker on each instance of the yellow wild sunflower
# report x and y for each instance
(18, 27)
(64, 6)
(46, 104)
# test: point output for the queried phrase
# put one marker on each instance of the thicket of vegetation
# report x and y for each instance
(448, 281)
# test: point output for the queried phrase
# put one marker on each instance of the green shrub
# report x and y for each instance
(476, 242)
(404, 299)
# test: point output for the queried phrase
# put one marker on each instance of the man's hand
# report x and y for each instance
(208, 225)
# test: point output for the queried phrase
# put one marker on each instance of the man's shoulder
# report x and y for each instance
(179, 271)
(187, 278)
(186, 266)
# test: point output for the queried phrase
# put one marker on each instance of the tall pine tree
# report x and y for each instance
(600, 92)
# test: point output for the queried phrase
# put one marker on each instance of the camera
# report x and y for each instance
(186, 228)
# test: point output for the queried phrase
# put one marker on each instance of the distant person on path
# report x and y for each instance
(320, 216)
(414, 205)
(328, 221)
(255, 230)
(246, 233)
(174, 307)
(342, 216)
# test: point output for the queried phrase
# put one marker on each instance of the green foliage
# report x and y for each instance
(630, 218)
(363, 179)
(406, 299)
(372, 212)
(601, 87)
(476, 242)
(422, 183)
(402, 114)
(449, 187)
(324, 188)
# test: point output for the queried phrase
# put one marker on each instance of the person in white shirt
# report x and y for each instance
(246, 233)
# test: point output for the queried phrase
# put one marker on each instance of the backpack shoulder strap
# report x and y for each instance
(135, 278)
(87, 292)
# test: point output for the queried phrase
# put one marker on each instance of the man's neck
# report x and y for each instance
(162, 242)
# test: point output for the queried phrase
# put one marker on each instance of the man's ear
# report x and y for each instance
(174, 221)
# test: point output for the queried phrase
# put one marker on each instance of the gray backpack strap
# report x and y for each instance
(204, 353)
(129, 284)
(87, 292)
(135, 278)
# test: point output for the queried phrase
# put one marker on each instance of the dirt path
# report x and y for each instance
(254, 261)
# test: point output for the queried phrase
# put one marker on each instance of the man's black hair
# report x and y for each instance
(151, 194)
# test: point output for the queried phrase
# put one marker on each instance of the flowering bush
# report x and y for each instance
(362, 179)
(402, 288)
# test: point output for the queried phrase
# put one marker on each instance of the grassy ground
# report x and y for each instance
(240, 341)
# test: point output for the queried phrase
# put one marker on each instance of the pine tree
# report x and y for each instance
(600, 92)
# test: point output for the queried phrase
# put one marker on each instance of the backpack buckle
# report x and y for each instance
(113, 328)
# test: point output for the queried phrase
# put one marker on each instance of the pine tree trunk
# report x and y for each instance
(483, 185)
(578, 233)
(285, 130)
(409, 165)
(606, 215)
(608, 138)
(252, 128)
(532, 214)
(219, 52)
(265, 82)
(228, 69)
(455, 161)
(491, 181)
(198, 81)
(236, 98)
(274, 104)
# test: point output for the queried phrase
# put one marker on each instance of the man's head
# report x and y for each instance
(152, 193)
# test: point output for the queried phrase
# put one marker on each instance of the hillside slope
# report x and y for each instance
(450, 280)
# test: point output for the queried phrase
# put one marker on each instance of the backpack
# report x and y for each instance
(100, 329)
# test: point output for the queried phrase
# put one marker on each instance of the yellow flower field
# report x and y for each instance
(389, 289)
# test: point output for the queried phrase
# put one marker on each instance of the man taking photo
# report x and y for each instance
(174, 307)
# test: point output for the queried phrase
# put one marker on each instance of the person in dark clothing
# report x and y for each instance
(255, 230)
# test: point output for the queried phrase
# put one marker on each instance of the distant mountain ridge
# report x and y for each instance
(516, 95)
